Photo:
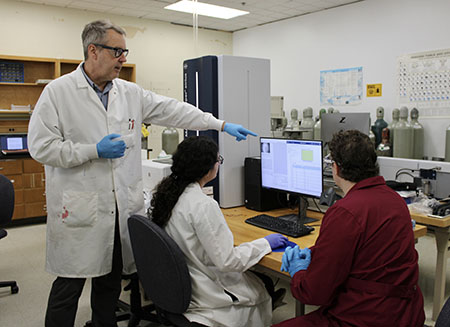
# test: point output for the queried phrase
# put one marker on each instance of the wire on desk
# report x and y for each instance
(318, 208)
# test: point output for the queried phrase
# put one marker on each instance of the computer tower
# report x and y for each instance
(256, 197)
(236, 90)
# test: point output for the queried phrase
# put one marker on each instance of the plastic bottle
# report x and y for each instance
(418, 135)
(379, 125)
(308, 123)
(403, 136)
(391, 126)
(170, 140)
(318, 124)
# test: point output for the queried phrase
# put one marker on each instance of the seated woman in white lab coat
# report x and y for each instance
(224, 292)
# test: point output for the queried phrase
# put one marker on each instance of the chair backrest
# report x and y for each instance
(160, 264)
(6, 200)
(443, 319)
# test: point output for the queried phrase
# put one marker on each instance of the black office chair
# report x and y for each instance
(6, 212)
(443, 319)
(162, 270)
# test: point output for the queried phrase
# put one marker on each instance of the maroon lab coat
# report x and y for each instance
(363, 269)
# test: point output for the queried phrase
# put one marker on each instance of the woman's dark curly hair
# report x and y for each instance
(355, 155)
(193, 159)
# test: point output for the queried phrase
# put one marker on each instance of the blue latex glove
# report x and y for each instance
(107, 148)
(287, 256)
(276, 240)
(238, 131)
(295, 259)
(413, 222)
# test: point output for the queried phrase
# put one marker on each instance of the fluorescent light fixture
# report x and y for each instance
(205, 9)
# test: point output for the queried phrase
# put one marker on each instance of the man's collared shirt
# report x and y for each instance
(103, 95)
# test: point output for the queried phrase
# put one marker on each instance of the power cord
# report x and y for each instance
(318, 208)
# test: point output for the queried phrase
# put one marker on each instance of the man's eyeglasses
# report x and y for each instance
(220, 160)
(117, 51)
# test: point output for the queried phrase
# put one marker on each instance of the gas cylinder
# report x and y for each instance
(384, 148)
(391, 126)
(447, 144)
(170, 140)
(418, 135)
(379, 125)
(294, 123)
(403, 136)
(371, 134)
(317, 125)
(308, 123)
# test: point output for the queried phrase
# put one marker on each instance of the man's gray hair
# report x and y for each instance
(95, 32)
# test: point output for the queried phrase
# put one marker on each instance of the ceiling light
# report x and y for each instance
(206, 9)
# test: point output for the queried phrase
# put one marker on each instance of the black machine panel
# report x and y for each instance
(203, 72)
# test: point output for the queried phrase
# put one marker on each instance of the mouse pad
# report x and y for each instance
(281, 249)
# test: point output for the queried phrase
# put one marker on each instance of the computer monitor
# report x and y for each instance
(335, 122)
(293, 166)
(13, 143)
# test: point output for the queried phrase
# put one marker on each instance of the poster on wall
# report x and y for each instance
(423, 81)
(340, 87)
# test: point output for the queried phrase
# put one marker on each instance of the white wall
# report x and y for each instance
(371, 34)
(157, 48)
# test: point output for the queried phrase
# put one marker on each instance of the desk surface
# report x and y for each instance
(432, 221)
(244, 232)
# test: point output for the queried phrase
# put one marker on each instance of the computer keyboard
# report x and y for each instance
(280, 225)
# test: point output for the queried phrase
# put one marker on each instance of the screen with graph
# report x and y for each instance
(292, 165)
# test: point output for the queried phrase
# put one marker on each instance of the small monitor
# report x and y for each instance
(13, 143)
(335, 122)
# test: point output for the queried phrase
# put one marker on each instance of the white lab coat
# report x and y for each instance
(198, 226)
(82, 189)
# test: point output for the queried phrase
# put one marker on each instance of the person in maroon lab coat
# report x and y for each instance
(363, 269)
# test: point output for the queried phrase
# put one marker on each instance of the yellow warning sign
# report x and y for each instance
(373, 90)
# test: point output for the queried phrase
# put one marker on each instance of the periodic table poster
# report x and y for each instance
(424, 82)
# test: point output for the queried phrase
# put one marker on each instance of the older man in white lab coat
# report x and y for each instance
(86, 130)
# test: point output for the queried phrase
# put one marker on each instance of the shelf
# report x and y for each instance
(21, 84)
(10, 114)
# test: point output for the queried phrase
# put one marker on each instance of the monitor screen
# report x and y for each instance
(335, 122)
(291, 165)
(13, 142)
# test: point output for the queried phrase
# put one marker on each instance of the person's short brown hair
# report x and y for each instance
(355, 155)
